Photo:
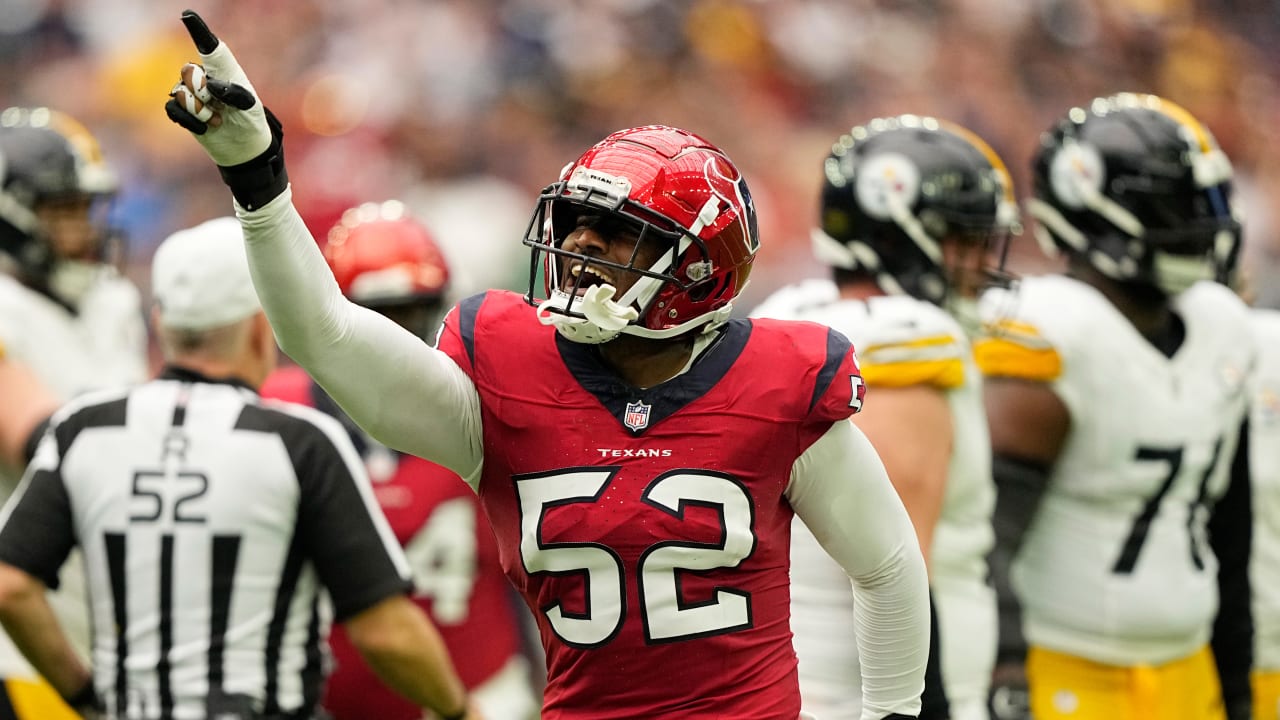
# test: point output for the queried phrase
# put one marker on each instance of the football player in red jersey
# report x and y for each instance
(638, 453)
(386, 260)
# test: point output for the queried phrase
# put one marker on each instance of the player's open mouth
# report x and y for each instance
(585, 276)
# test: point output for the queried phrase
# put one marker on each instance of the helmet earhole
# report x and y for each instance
(699, 293)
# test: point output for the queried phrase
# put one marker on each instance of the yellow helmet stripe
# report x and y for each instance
(1181, 116)
(987, 151)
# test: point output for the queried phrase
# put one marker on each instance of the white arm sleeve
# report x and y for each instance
(401, 390)
(840, 490)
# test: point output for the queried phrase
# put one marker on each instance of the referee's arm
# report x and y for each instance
(362, 566)
(36, 535)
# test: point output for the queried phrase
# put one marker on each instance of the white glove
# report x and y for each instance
(216, 101)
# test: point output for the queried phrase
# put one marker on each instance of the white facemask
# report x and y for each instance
(604, 320)
(1175, 273)
(72, 279)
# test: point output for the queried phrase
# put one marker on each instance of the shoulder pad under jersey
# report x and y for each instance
(1026, 328)
(903, 341)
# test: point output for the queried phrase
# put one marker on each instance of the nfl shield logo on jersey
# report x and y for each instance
(637, 415)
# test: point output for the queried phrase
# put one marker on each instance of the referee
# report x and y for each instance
(211, 522)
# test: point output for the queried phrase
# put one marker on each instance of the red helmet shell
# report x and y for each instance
(381, 256)
(678, 181)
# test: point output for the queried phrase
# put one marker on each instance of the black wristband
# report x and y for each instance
(85, 697)
(260, 180)
(458, 715)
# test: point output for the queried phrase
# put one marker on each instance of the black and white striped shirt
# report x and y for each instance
(210, 522)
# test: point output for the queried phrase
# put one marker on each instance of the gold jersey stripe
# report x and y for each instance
(1018, 332)
(945, 374)
(924, 342)
(1005, 357)
(926, 346)
(37, 699)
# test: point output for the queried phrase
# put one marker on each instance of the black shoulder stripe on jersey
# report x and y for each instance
(33, 441)
(837, 347)
(358, 571)
(298, 433)
(108, 414)
(467, 311)
(309, 448)
(666, 399)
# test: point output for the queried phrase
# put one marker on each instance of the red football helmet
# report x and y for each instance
(386, 260)
(670, 186)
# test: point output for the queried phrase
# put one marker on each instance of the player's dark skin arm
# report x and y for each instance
(1029, 425)
(1231, 536)
(30, 622)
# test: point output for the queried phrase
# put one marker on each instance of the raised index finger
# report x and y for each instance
(206, 42)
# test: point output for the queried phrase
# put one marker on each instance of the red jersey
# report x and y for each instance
(447, 540)
(648, 530)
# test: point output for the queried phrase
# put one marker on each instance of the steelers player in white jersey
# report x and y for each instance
(1116, 393)
(68, 321)
(912, 212)
(1264, 459)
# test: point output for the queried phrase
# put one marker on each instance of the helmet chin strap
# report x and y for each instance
(604, 319)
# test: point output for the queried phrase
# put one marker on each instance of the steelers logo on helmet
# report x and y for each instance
(897, 190)
(1076, 174)
(1138, 187)
(887, 185)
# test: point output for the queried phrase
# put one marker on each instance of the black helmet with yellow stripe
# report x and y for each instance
(897, 190)
(1139, 188)
(52, 175)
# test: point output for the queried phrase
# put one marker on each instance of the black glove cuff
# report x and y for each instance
(260, 180)
(456, 716)
(85, 698)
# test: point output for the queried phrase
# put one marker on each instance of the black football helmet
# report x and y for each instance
(895, 188)
(1138, 188)
(48, 159)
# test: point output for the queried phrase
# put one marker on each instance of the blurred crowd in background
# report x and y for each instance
(465, 109)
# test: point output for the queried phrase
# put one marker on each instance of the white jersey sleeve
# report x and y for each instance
(1264, 463)
(903, 342)
(1115, 566)
(840, 490)
(908, 342)
(101, 346)
(400, 390)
